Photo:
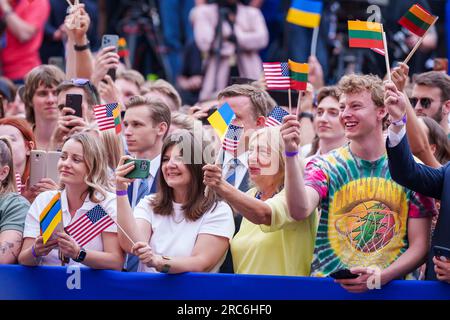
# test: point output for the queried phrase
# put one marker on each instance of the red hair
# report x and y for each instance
(24, 127)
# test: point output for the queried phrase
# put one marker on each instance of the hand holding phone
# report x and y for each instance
(74, 102)
(439, 252)
(141, 169)
(343, 274)
(109, 40)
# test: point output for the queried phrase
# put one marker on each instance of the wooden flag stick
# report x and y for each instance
(216, 162)
(70, 4)
(419, 43)
(386, 55)
(290, 101)
(315, 36)
(299, 103)
(123, 231)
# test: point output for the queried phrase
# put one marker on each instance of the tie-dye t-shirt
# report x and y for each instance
(364, 212)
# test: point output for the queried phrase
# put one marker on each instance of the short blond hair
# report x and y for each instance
(6, 159)
(131, 76)
(166, 89)
(259, 98)
(159, 110)
(183, 121)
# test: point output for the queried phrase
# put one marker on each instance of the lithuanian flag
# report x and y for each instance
(299, 75)
(305, 13)
(417, 20)
(363, 34)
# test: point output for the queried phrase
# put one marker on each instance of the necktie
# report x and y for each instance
(143, 190)
(231, 174)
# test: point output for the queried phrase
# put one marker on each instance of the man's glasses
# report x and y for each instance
(424, 102)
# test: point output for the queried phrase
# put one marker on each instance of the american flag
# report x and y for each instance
(277, 75)
(232, 137)
(18, 183)
(106, 115)
(89, 225)
(276, 116)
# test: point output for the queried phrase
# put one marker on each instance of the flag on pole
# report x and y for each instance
(299, 75)
(89, 225)
(277, 75)
(363, 34)
(221, 118)
(122, 48)
(232, 137)
(108, 116)
(417, 20)
(275, 117)
(379, 51)
(305, 13)
(50, 217)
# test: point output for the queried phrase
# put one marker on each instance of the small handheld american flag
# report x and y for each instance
(232, 137)
(275, 117)
(277, 75)
(108, 116)
(89, 225)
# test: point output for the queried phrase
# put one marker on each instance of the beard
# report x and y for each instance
(438, 116)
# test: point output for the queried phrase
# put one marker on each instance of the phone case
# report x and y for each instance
(439, 251)
(38, 166)
(52, 165)
(110, 40)
(343, 274)
(74, 101)
(141, 169)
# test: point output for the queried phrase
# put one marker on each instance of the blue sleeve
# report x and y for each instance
(414, 176)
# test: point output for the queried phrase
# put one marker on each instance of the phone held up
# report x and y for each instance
(109, 40)
(74, 102)
(439, 252)
(141, 169)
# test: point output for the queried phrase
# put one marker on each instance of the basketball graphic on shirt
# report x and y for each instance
(369, 226)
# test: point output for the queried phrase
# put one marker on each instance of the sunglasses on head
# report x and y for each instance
(424, 102)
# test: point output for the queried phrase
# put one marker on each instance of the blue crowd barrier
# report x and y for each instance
(18, 282)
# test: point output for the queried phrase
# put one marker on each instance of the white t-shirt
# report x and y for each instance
(32, 227)
(175, 236)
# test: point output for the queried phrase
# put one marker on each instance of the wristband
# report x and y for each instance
(33, 252)
(290, 154)
(121, 192)
(400, 122)
(82, 47)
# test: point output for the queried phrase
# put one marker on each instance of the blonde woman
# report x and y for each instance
(269, 241)
(84, 182)
(13, 207)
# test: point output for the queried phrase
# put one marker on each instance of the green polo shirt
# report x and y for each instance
(13, 210)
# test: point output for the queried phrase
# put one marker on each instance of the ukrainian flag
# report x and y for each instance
(221, 118)
(50, 217)
(305, 13)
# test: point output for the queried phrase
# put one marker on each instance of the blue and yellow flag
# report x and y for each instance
(50, 217)
(305, 13)
(221, 119)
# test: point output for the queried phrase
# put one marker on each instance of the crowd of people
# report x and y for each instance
(358, 177)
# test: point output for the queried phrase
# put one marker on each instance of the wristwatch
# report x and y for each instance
(306, 115)
(166, 267)
(82, 47)
(81, 256)
(400, 122)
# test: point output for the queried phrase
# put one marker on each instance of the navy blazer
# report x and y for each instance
(429, 182)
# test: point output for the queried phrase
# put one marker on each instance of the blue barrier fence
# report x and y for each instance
(18, 282)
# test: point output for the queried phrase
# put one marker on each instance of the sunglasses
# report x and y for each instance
(81, 82)
(424, 102)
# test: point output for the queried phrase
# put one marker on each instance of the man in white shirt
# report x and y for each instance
(146, 123)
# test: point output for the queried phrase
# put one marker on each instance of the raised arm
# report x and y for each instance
(402, 166)
(256, 211)
(137, 229)
(301, 199)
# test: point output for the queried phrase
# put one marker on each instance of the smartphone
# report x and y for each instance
(439, 251)
(343, 274)
(107, 41)
(52, 165)
(57, 61)
(74, 101)
(141, 169)
(210, 112)
(38, 166)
